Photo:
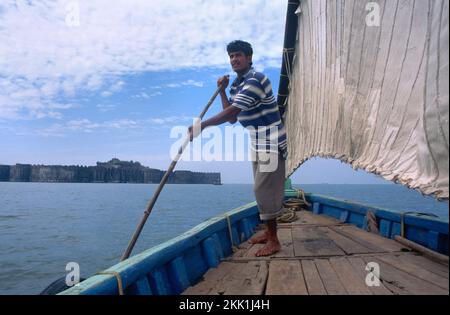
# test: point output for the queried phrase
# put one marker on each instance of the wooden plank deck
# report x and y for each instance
(322, 256)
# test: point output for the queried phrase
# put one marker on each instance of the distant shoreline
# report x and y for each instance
(113, 171)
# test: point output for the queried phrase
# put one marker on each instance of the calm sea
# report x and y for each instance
(45, 226)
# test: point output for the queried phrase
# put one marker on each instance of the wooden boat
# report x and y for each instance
(372, 93)
(325, 252)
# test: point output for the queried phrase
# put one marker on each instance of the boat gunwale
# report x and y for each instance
(149, 260)
(439, 224)
(130, 270)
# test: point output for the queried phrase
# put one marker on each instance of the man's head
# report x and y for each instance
(241, 54)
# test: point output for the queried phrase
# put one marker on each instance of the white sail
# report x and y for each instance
(369, 86)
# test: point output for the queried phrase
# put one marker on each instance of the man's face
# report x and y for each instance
(239, 61)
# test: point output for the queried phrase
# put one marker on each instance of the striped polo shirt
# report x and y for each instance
(260, 113)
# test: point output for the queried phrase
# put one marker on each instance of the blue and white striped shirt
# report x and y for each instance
(259, 112)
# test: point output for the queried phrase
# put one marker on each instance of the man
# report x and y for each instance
(252, 103)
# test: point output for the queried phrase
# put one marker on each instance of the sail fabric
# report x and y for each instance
(369, 86)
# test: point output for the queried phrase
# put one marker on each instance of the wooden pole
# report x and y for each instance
(423, 250)
(163, 182)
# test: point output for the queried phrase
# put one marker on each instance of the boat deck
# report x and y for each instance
(321, 256)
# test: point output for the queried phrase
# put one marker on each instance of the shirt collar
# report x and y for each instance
(245, 76)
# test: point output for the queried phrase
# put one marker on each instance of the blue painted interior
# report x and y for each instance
(172, 267)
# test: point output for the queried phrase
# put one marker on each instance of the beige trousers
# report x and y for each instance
(269, 176)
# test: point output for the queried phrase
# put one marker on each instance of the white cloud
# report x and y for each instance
(122, 124)
(193, 83)
(146, 95)
(42, 58)
(85, 125)
(157, 121)
(54, 115)
(114, 88)
(171, 120)
(178, 85)
(23, 99)
(105, 107)
(106, 93)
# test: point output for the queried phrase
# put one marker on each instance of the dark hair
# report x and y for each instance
(239, 45)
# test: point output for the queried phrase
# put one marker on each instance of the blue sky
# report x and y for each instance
(85, 81)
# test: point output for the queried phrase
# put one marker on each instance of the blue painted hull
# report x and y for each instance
(170, 268)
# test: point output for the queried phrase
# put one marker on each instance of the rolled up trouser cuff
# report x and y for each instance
(270, 216)
(269, 188)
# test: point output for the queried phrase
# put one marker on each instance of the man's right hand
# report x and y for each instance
(223, 82)
(195, 129)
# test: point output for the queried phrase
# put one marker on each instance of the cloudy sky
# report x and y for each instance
(87, 80)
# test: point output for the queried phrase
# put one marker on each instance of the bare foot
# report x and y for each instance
(259, 239)
(271, 248)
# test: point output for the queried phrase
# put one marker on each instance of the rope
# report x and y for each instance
(230, 231)
(288, 216)
(286, 52)
(118, 278)
(301, 194)
(371, 223)
(292, 206)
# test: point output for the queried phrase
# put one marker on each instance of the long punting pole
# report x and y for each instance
(163, 182)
